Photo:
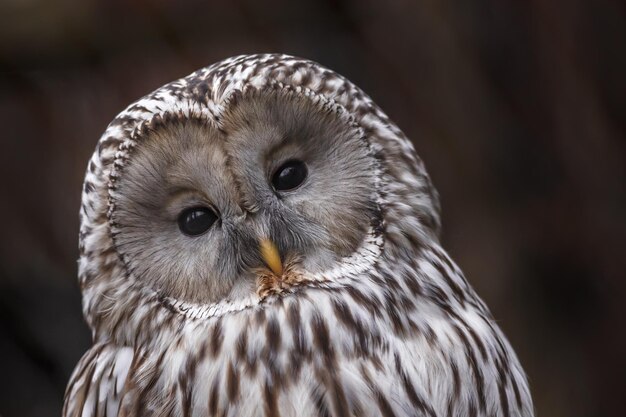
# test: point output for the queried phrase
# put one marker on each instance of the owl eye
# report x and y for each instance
(289, 175)
(196, 220)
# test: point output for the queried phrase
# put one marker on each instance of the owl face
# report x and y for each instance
(197, 200)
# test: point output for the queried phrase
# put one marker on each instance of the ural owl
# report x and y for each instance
(259, 239)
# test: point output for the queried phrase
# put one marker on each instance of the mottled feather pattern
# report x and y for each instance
(394, 330)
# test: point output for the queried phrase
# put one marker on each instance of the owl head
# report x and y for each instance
(203, 205)
(250, 178)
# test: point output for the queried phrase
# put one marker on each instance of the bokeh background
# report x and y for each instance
(518, 109)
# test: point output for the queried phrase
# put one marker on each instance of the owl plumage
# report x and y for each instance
(355, 309)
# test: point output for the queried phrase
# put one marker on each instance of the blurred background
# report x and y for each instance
(518, 109)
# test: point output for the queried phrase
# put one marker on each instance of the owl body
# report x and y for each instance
(365, 315)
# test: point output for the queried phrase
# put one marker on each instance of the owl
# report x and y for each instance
(259, 239)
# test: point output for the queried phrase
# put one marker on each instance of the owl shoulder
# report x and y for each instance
(99, 382)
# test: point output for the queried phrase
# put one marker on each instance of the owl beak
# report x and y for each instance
(271, 256)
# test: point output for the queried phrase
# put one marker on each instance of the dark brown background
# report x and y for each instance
(517, 107)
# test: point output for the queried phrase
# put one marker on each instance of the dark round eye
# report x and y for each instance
(289, 175)
(196, 220)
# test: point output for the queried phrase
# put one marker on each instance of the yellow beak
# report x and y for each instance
(271, 257)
